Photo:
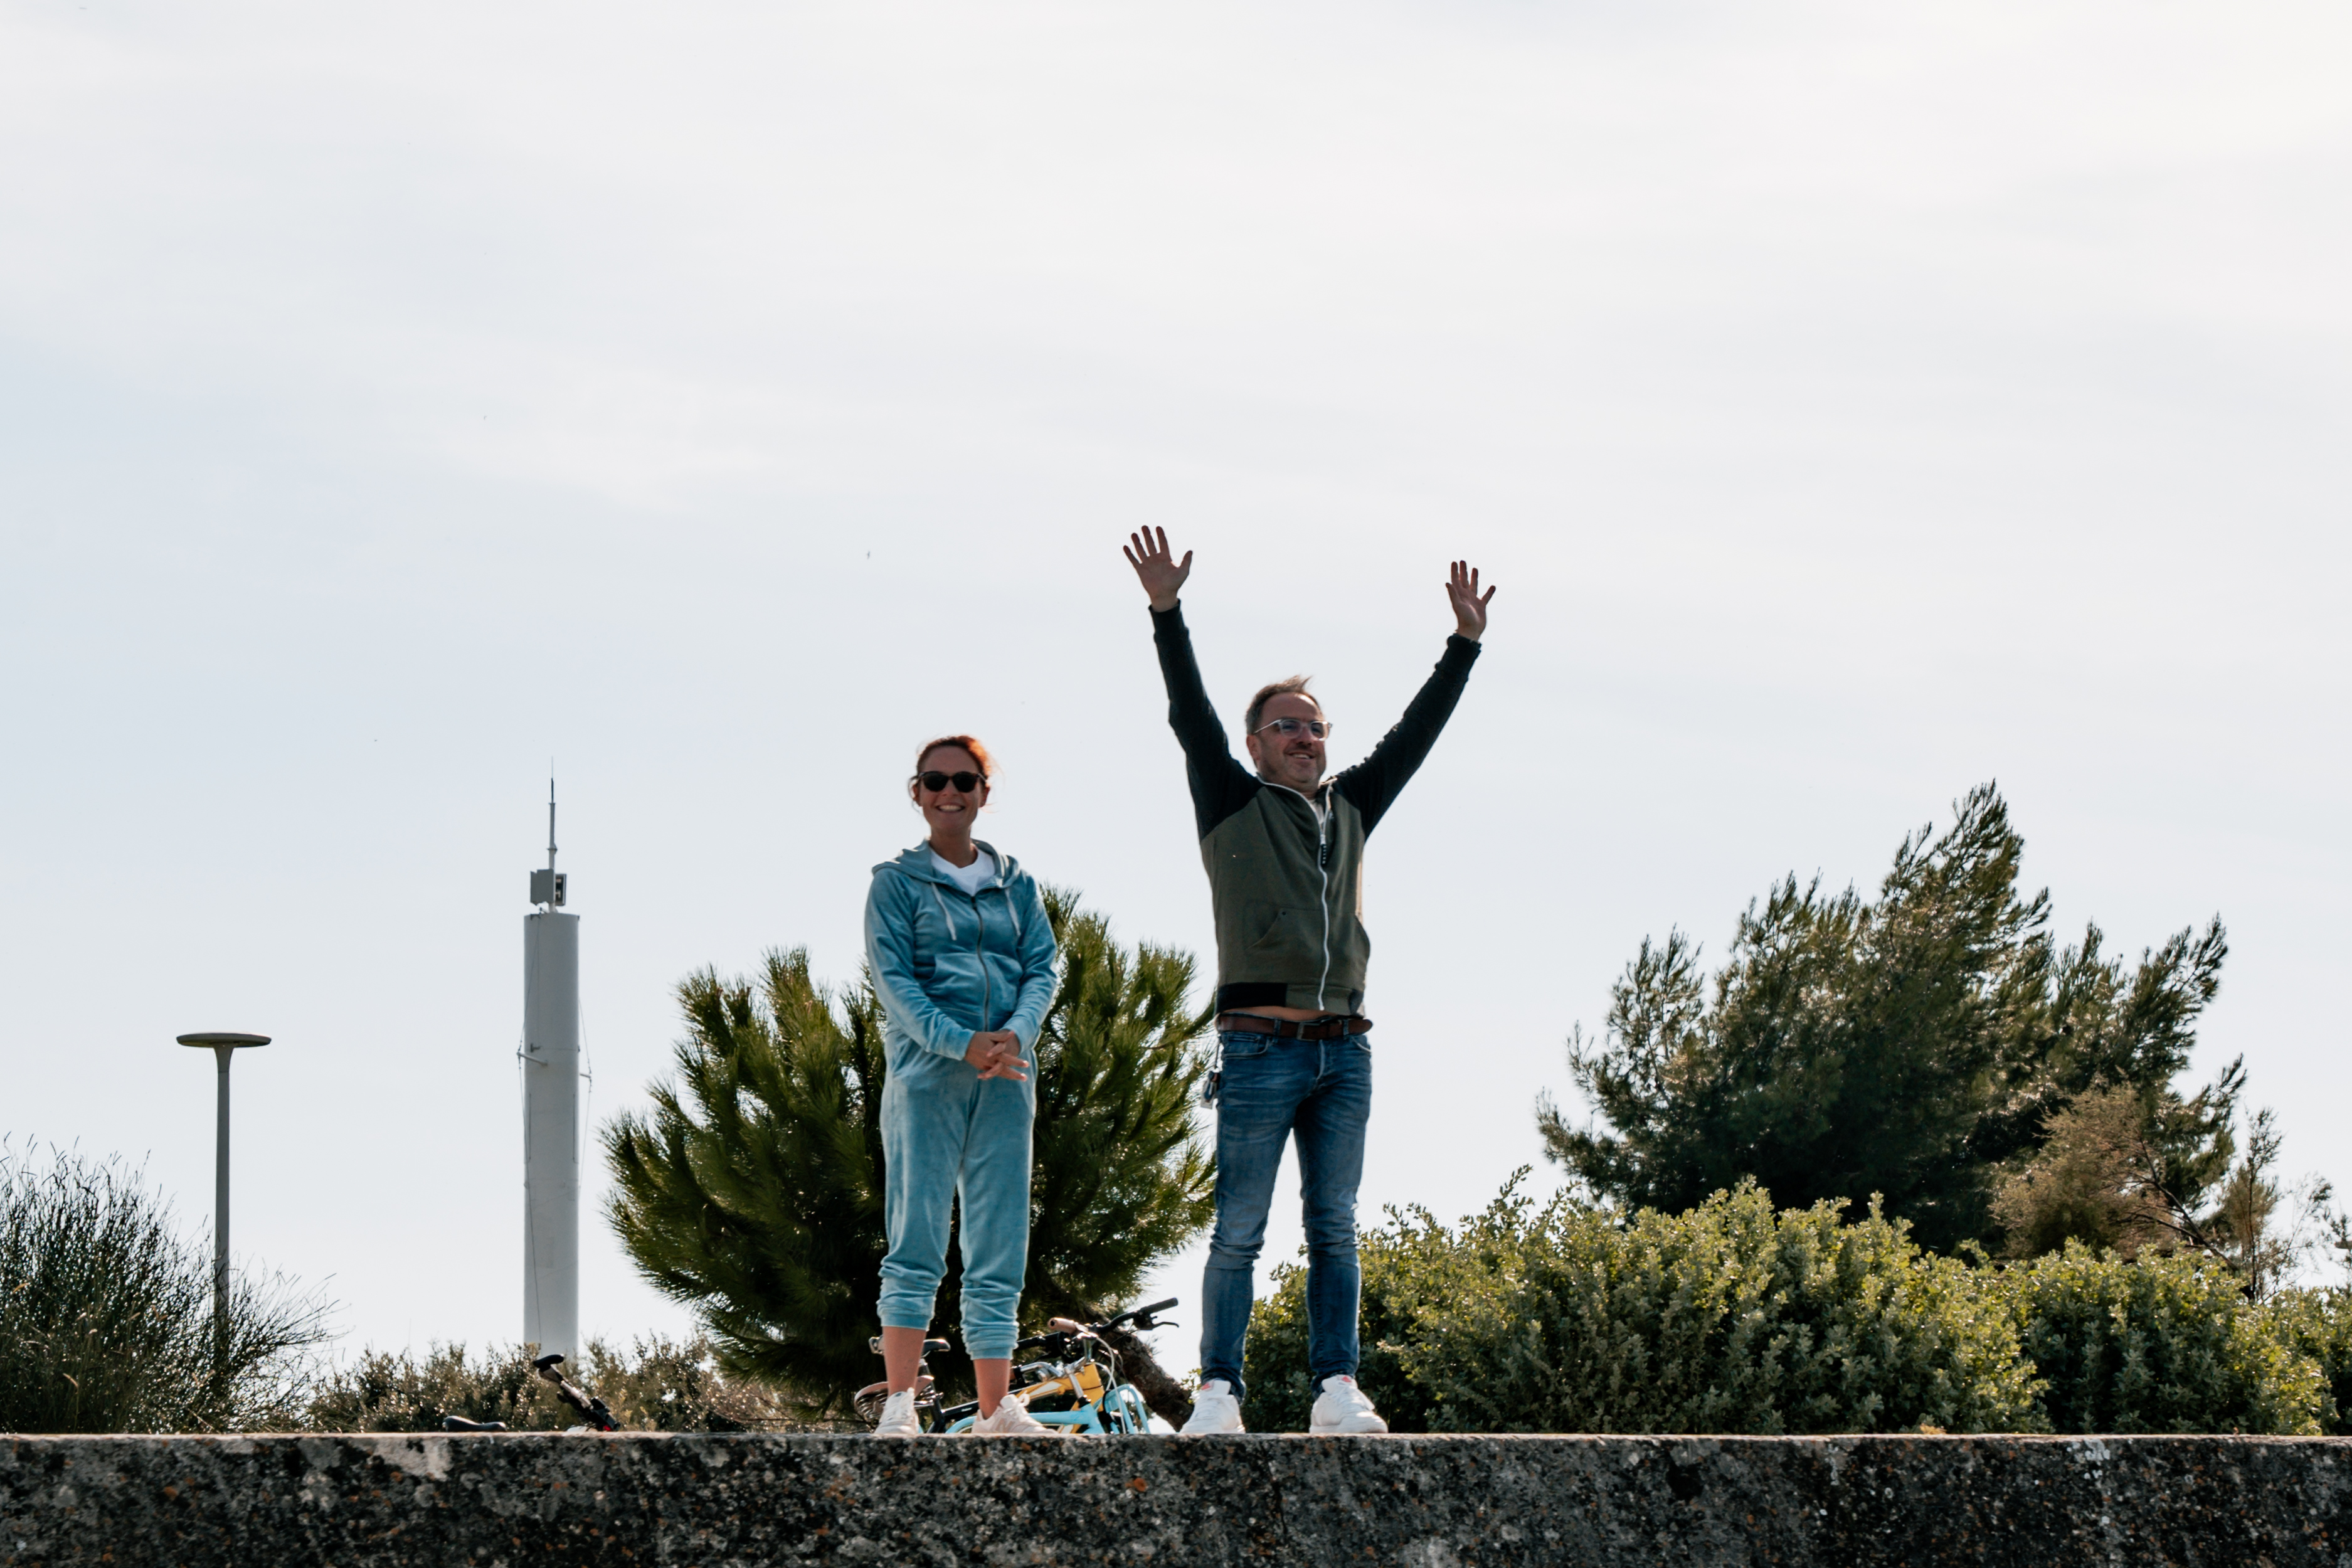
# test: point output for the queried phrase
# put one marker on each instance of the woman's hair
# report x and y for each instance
(970, 744)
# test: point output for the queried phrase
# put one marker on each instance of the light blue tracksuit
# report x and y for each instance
(949, 964)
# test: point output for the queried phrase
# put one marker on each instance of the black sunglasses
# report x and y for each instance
(936, 780)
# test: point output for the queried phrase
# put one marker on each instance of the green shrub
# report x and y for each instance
(660, 1385)
(1730, 1317)
(2157, 1345)
(106, 1315)
(1406, 1265)
(2318, 1325)
(675, 1385)
(387, 1392)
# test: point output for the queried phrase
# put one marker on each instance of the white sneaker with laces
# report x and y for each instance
(1011, 1420)
(1342, 1408)
(898, 1416)
(1214, 1409)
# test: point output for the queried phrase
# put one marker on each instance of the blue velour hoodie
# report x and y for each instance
(950, 964)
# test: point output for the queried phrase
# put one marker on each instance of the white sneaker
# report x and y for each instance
(1214, 1409)
(898, 1416)
(1342, 1408)
(1011, 1420)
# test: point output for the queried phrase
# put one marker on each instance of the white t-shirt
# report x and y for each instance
(971, 877)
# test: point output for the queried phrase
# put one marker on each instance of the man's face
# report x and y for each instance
(1295, 760)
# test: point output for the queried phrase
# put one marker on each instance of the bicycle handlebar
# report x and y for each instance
(1142, 1316)
(593, 1409)
(1139, 1317)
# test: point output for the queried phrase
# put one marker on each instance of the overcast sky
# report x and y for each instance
(1853, 403)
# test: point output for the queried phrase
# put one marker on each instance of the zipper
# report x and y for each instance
(1323, 869)
(979, 952)
(980, 938)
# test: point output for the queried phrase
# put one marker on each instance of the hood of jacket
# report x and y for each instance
(917, 863)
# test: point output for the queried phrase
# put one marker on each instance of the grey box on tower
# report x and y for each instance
(549, 887)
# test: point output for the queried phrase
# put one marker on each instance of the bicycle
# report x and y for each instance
(1076, 1386)
(869, 1400)
(593, 1410)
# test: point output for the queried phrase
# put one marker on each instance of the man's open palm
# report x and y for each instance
(1162, 577)
(1469, 606)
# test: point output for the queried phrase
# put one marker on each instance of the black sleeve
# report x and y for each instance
(1376, 781)
(1221, 786)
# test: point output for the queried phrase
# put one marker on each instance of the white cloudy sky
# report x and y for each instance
(1853, 403)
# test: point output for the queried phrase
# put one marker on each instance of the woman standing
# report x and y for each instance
(962, 953)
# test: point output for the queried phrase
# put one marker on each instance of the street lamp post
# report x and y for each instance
(223, 1045)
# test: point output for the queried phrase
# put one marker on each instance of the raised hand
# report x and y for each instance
(1469, 607)
(1161, 577)
(997, 1054)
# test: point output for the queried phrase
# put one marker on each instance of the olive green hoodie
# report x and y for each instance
(1286, 869)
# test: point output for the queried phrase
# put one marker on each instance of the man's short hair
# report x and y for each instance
(1294, 686)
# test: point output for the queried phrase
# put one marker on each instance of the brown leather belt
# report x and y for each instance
(1329, 1029)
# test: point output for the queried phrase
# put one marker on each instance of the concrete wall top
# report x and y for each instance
(1267, 1501)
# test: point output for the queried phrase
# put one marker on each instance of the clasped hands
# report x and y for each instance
(997, 1054)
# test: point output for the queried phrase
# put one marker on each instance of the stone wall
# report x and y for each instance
(1269, 1501)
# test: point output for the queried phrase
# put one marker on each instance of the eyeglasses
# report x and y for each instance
(1288, 728)
(934, 780)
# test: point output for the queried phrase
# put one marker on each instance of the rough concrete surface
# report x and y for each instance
(1431, 1503)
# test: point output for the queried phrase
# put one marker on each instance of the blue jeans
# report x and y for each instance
(1320, 1091)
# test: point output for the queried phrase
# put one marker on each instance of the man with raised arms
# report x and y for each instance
(1284, 847)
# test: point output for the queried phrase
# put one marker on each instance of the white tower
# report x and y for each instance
(551, 1112)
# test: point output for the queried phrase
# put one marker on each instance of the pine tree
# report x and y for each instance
(1917, 1047)
(752, 1191)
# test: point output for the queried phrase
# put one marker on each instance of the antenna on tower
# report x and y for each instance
(547, 888)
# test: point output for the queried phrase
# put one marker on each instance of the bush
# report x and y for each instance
(383, 1391)
(1405, 1265)
(1730, 1317)
(660, 1385)
(2318, 1325)
(2158, 1344)
(106, 1316)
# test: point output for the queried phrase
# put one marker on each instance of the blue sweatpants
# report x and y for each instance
(949, 1136)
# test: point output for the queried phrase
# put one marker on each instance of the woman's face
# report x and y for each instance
(949, 811)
